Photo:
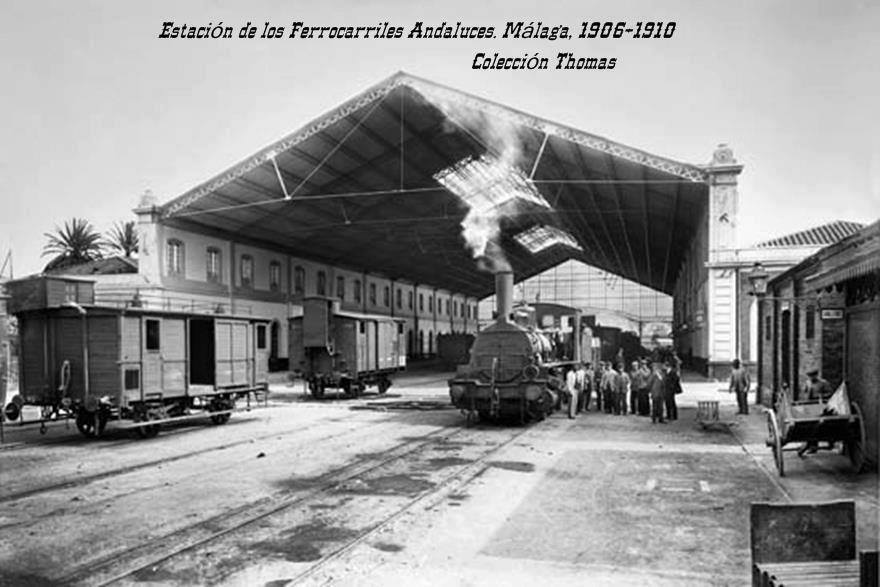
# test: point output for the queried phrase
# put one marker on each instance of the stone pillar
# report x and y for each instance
(149, 238)
(723, 291)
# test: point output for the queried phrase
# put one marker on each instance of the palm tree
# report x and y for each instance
(123, 238)
(76, 243)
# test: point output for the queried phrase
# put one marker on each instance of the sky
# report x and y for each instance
(96, 108)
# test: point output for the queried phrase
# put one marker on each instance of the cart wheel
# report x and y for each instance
(774, 441)
(348, 388)
(855, 447)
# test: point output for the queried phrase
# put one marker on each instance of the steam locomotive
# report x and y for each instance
(516, 370)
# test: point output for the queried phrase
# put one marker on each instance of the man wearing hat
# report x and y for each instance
(739, 384)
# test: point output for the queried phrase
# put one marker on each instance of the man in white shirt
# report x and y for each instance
(574, 382)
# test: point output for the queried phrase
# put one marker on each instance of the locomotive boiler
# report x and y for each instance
(516, 371)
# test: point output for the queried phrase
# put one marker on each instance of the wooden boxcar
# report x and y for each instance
(144, 365)
(345, 350)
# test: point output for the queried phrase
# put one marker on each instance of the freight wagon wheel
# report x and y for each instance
(384, 384)
(855, 446)
(774, 441)
(150, 431)
(217, 406)
(91, 424)
(348, 388)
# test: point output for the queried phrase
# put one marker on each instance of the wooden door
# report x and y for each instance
(261, 352)
(371, 344)
(362, 361)
(151, 349)
(223, 353)
(174, 350)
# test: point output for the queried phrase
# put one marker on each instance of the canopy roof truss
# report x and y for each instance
(359, 187)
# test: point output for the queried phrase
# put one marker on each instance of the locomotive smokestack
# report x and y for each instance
(504, 295)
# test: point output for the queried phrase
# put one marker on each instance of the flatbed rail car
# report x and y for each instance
(345, 350)
(138, 366)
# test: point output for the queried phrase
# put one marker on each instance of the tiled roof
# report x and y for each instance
(818, 236)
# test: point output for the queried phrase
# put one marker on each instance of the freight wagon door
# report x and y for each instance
(261, 354)
(151, 377)
(231, 345)
(382, 341)
(372, 345)
(130, 356)
(173, 357)
(362, 364)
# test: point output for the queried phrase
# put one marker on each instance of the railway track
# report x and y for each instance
(126, 565)
(155, 463)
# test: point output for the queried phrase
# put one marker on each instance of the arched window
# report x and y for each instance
(373, 294)
(399, 296)
(322, 283)
(386, 297)
(340, 287)
(409, 300)
(274, 275)
(299, 280)
(214, 265)
(247, 271)
(357, 291)
(174, 257)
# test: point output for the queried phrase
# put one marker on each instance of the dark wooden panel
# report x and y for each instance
(33, 383)
(67, 333)
(863, 368)
(103, 341)
(803, 532)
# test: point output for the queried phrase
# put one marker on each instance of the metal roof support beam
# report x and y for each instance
(644, 198)
(618, 200)
(666, 283)
(338, 145)
(584, 169)
(580, 214)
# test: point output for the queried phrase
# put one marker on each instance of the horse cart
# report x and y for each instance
(821, 425)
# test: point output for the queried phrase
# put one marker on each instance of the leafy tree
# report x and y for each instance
(123, 238)
(76, 243)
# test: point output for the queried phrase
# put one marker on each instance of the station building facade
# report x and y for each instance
(181, 269)
(715, 320)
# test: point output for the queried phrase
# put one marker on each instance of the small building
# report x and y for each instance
(824, 314)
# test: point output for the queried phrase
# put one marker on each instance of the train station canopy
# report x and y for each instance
(418, 181)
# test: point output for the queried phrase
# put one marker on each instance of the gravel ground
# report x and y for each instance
(396, 490)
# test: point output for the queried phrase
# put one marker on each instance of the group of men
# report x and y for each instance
(649, 388)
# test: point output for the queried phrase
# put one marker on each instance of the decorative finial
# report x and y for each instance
(723, 155)
(148, 199)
